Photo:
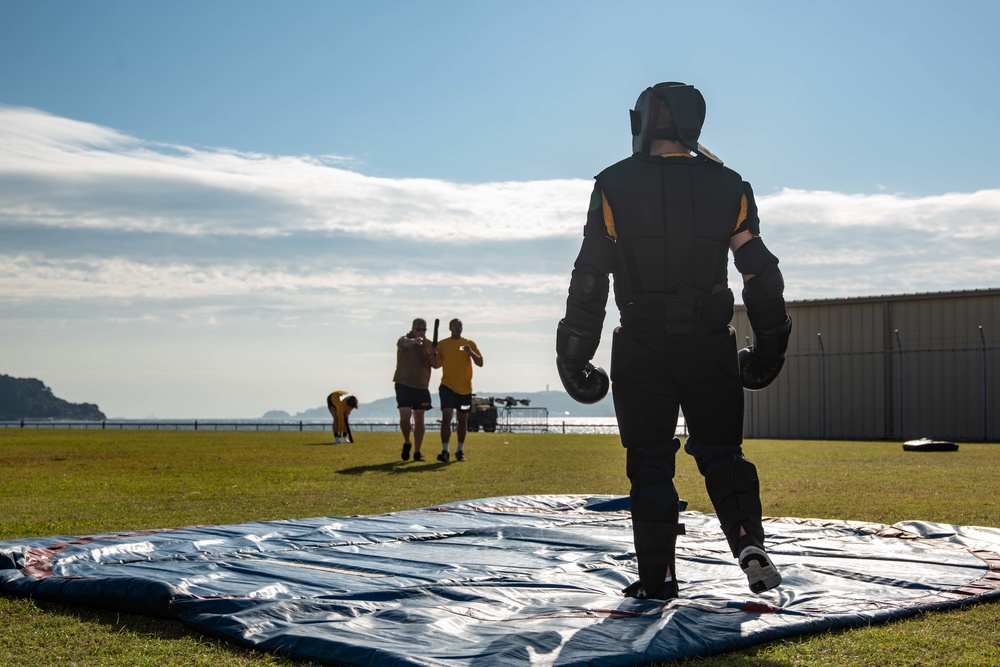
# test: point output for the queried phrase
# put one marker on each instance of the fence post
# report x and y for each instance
(822, 386)
(982, 340)
(750, 429)
(899, 382)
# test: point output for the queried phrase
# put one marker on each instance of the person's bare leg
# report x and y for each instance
(404, 423)
(463, 422)
(445, 428)
(333, 415)
(418, 430)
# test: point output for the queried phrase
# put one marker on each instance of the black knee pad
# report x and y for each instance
(651, 471)
(733, 486)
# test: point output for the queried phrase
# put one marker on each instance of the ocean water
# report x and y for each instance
(513, 425)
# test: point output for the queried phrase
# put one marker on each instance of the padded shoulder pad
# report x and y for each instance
(753, 220)
(754, 257)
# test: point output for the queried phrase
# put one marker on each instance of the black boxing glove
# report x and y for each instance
(584, 382)
(761, 362)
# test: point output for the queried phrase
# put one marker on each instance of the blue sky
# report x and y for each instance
(213, 209)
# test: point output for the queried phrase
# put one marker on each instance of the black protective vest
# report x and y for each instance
(674, 218)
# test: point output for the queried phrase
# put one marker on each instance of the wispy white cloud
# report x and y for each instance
(30, 277)
(65, 173)
(221, 257)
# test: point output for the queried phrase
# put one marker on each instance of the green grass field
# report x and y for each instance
(84, 482)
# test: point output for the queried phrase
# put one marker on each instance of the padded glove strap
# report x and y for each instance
(575, 343)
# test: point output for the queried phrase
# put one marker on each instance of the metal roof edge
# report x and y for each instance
(916, 296)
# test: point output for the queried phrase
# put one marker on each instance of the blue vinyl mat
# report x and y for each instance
(519, 580)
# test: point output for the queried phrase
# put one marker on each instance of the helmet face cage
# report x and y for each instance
(687, 110)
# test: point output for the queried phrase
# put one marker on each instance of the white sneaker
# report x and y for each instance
(761, 573)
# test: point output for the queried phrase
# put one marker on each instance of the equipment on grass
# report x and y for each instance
(929, 445)
(539, 583)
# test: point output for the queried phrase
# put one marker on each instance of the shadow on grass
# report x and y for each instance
(158, 628)
(396, 467)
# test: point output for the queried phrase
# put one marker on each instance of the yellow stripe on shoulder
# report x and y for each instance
(609, 218)
(744, 204)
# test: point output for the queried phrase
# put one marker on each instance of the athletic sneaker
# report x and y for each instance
(761, 573)
(667, 592)
(443, 457)
(406, 451)
(419, 457)
(459, 455)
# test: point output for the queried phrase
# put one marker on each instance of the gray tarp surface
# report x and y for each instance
(520, 580)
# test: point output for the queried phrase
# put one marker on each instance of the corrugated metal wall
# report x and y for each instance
(892, 367)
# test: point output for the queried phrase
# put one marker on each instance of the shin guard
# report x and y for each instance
(733, 487)
(655, 513)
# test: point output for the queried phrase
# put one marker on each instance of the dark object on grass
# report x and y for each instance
(929, 445)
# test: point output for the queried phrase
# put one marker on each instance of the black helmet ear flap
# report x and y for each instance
(636, 122)
(643, 120)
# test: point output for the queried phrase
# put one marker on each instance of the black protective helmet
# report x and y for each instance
(687, 115)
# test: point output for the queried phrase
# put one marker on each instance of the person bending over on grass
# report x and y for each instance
(340, 404)
(455, 356)
(664, 221)
(414, 356)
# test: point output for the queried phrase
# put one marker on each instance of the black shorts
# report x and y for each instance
(413, 398)
(451, 401)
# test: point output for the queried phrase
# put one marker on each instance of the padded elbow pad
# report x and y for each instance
(586, 284)
(762, 296)
(754, 257)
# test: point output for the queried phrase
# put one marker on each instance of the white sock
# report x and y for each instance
(460, 445)
(444, 447)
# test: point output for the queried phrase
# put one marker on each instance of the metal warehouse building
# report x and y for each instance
(889, 367)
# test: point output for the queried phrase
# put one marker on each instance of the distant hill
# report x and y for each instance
(558, 403)
(28, 398)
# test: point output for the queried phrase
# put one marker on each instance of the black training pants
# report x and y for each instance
(654, 374)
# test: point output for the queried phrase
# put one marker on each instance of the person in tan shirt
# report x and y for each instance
(414, 356)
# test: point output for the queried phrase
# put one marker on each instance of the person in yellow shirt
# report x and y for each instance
(455, 356)
(340, 404)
